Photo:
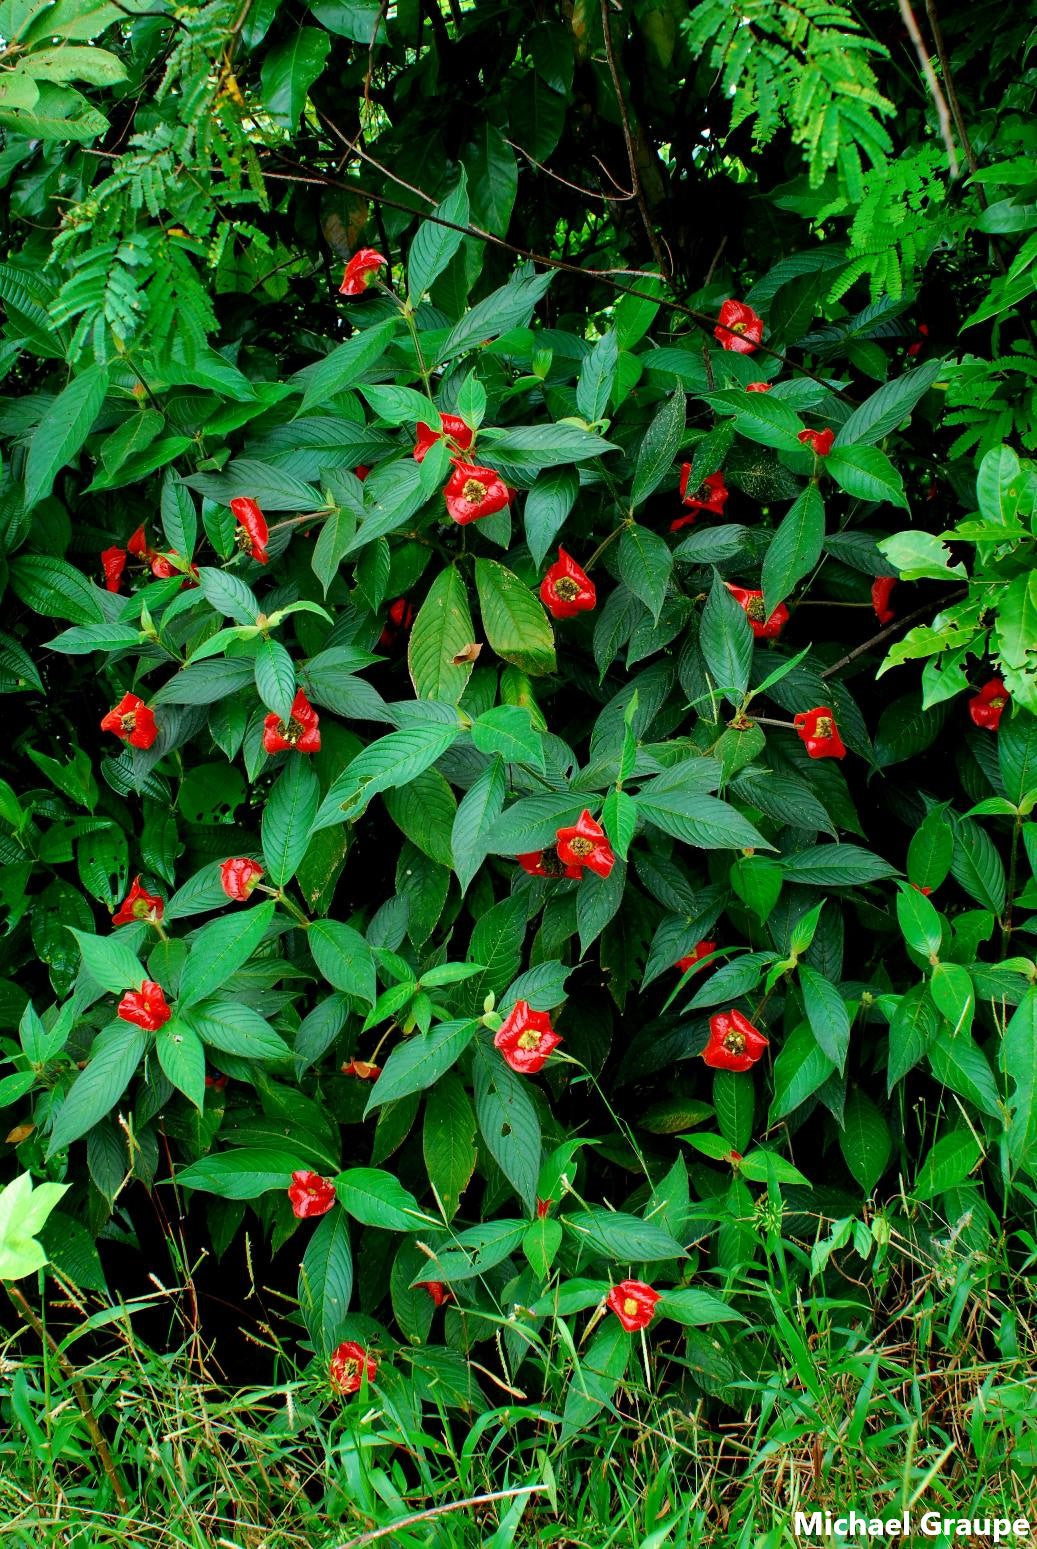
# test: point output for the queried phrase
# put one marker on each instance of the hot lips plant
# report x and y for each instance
(486, 718)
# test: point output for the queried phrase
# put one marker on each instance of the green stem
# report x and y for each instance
(292, 907)
(599, 551)
(1013, 865)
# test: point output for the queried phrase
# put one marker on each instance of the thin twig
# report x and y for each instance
(588, 193)
(948, 83)
(440, 1511)
(635, 180)
(100, 1446)
(891, 629)
(939, 100)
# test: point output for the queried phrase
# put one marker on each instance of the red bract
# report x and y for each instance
(361, 471)
(697, 953)
(820, 441)
(585, 845)
(987, 707)
(472, 492)
(738, 328)
(139, 905)
(819, 733)
(113, 563)
(252, 533)
(238, 877)
(299, 731)
(216, 1082)
(881, 589)
(633, 1302)
(734, 1043)
(526, 1038)
(401, 616)
(763, 628)
(916, 347)
(567, 589)
(348, 1365)
(132, 721)
(543, 863)
(757, 387)
(146, 1007)
(362, 1069)
(137, 544)
(437, 1290)
(543, 1207)
(310, 1195)
(163, 566)
(450, 425)
(710, 495)
(925, 891)
(360, 271)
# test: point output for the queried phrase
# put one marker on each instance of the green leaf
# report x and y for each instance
(541, 1244)
(509, 307)
(516, 625)
(659, 447)
(546, 507)
(448, 1141)
(597, 1375)
(61, 432)
(476, 813)
(508, 730)
(56, 589)
(275, 677)
(919, 921)
(887, 407)
(533, 823)
(597, 374)
(977, 867)
(867, 473)
(761, 418)
(835, 865)
(235, 1028)
(697, 819)
(827, 1015)
(799, 1069)
(288, 815)
(621, 1238)
(930, 850)
(1017, 753)
(794, 550)
(912, 1028)
(376, 1198)
(109, 962)
(345, 365)
(181, 1055)
(645, 563)
(391, 761)
(546, 446)
(326, 1282)
(96, 1090)
(507, 1121)
(959, 1063)
(219, 949)
(441, 631)
(289, 70)
(726, 641)
(1019, 1063)
(951, 1160)
(343, 958)
(865, 1140)
(953, 995)
(734, 1098)
(434, 245)
(419, 1062)
(228, 594)
(696, 1308)
(244, 1173)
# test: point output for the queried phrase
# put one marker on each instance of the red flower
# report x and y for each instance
(437, 1290)
(362, 471)
(819, 440)
(139, 905)
(734, 1043)
(299, 731)
(925, 891)
(451, 426)
(472, 492)
(252, 533)
(348, 1364)
(696, 955)
(310, 1194)
(401, 616)
(137, 544)
(757, 387)
(710, 495)
(585, 845)
(819, 733)
(113, 563)
(633, 1302)
(752, 602)
(916, 347)
(360, 271)
(543, 1206)
(567, 589)
(738, 328)
(146, 1006)
(526, 1038)
(362, 1070)
(541, 863)
(238, 877)
(216, 1082)
(132, 721)
(987, 707)
(881, 588)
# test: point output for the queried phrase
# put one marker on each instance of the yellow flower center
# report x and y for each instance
(739, 327)
(243, 540)
(734, 1042)
(290, 730)
(997, 703)
(566, 589)
(824, 726)
(474, 490)
(629, 1306)
(141, 909)
(754, 609)
(530, 1039)
(581, 846)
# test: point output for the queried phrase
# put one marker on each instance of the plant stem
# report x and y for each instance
(599, 551)
(1013, 865)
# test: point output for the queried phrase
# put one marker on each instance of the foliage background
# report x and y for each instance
(180, 190)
